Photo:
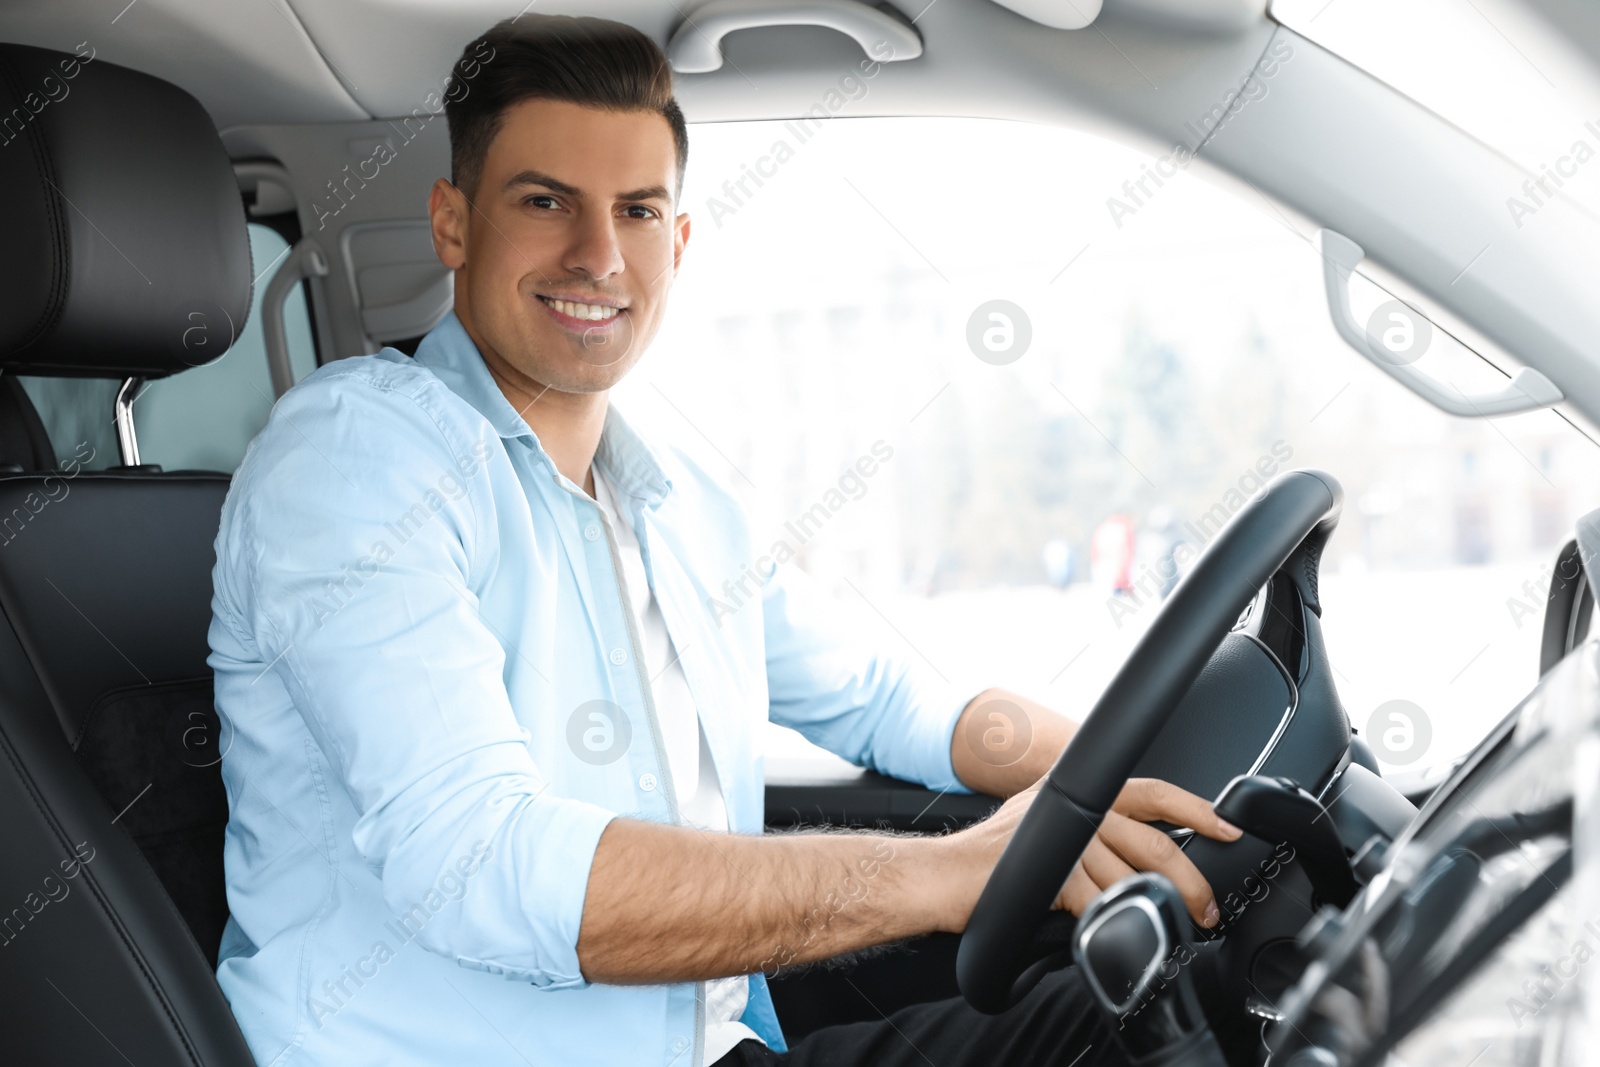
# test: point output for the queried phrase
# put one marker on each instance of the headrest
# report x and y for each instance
(125, 250)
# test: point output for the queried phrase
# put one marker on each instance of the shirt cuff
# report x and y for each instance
(567, 832)
(942, 711)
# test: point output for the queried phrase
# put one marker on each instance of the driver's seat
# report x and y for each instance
(125, 233)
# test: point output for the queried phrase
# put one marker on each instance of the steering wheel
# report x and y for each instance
(1282, 528)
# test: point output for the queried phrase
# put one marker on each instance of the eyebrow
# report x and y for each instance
(649, 192)
(556, 185)
(533, 177)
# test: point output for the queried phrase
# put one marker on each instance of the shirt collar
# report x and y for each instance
(448, 352)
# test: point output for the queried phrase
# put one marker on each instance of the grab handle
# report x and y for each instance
(696, 46)
(1528, 390)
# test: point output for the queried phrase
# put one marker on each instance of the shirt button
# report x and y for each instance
(647, 782)
(618, 656)
(680, 1044)
(591, 532)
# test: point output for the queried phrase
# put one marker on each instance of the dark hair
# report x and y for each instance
(578, 59)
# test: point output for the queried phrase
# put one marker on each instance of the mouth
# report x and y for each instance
(581, 317)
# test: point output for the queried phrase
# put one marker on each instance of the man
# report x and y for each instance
(484, 698)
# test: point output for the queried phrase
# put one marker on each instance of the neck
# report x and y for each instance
(567, 425)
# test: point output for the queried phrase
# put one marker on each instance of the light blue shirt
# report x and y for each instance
(428, 677)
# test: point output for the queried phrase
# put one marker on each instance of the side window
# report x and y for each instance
(203, 418)
(76, 413)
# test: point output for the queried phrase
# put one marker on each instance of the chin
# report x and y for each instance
(583, 378)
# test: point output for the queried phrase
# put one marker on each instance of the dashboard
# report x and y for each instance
(1464, 947)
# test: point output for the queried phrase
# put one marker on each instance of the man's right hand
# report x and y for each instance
(1123, 845)
(671, 903)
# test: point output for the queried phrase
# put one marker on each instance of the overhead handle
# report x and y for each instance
(696, 47)
(1528, 390)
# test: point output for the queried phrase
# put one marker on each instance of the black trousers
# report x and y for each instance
(1056, 1024)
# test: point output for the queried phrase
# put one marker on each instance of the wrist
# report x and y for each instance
(940, 884)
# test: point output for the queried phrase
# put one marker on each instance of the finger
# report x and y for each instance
(1148, 799)
(1079, 892)
(1147, 849)
(1104, 866)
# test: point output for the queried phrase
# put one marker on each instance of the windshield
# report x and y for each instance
(1074, 368)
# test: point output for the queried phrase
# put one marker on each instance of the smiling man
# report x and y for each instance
(495, 785)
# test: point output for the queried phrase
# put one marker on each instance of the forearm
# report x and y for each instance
(671, 904)
(1004, 742)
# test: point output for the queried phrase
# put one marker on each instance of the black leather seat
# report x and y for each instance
(124, 231)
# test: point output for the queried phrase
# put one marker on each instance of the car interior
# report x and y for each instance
(178, 171)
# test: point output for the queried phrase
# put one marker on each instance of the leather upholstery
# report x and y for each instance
(111, 880)
(126, 252)
(104, 691)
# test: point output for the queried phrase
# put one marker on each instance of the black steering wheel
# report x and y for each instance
(1013, 934)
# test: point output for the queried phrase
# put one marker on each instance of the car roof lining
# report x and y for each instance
(1328, 145)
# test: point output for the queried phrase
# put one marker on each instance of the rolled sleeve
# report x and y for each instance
(829, 680)
(364, 531)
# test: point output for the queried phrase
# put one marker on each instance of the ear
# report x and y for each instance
(680, 238)
(448, 218)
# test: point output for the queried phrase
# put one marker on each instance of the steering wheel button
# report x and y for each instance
(1321, 932)
(1371, 858)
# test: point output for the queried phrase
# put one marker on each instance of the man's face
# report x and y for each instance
(567, 248)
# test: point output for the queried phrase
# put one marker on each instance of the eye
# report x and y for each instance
(645, 212)
(543, 201)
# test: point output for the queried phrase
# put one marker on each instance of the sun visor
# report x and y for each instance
(1204, 16)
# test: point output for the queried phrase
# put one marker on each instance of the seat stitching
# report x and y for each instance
(91, 880)
(105, 698)
(61, 260)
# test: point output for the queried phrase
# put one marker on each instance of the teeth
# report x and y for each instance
(588, 312)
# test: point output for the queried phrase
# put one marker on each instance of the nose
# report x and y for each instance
(594, 250)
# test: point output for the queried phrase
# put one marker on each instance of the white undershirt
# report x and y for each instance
(694, 776)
